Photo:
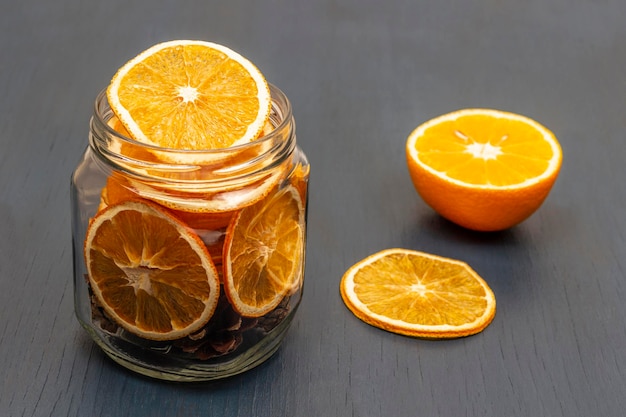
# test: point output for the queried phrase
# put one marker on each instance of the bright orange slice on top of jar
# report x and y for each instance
(190, 95)
(263, 253)
(149, 271)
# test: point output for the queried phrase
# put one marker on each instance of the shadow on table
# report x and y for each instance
(509, 260)
(437, 227)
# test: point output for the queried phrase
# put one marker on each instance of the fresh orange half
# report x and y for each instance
(263, 253)
(418, 294)
(190, 95)
(483, 169)
(150, 272)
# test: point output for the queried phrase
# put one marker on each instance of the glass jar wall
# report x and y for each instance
(189, 265)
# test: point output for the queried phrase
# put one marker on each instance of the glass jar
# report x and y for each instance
(232, 203)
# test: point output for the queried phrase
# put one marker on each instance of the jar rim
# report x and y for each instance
(281, 109)
(214, 169)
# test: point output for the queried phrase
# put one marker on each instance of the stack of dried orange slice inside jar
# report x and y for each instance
(190, 210)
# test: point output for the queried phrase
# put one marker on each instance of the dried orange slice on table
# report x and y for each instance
(418, 294)
(149, 271)
(263, 247)
(483, 169)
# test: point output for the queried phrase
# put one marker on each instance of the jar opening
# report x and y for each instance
(154, 163)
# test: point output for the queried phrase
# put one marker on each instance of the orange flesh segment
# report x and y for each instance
(523, 153)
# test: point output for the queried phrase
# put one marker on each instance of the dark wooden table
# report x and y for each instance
(361, 74)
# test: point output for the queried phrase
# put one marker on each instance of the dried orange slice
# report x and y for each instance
(483, 169)
(263, 253)
(190, 95)
(418, 294)
(300, 178)
(195, 191)
(150, 272)
(116, 190)
(209, 200)
(120, 188)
